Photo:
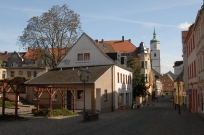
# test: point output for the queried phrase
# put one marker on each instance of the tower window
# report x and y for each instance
(155, 55)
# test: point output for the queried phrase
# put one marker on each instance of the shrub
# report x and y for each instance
(55, 112)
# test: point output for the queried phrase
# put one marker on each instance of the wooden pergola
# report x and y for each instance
(51, 90)
(17, 84)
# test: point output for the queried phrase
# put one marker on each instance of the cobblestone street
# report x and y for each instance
(158, 119)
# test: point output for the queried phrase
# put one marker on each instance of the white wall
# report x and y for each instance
(84, 45)
(121, 87)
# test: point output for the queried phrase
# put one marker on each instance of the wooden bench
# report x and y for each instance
(90, 116)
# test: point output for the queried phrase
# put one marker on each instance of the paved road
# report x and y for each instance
(160, 119)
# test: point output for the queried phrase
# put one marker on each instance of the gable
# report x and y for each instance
(85, 52)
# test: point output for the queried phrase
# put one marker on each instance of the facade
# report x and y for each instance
(198, 40)
(155, 53)
(109, 87)
(192, 70)
(144, 63)
(168, 82)
(185, 63)
(142, 56)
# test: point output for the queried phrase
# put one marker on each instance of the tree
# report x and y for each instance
(139, 86)
(52, 33)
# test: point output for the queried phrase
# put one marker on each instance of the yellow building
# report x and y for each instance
(179, 91)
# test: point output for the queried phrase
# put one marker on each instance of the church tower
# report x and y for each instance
(155, 53)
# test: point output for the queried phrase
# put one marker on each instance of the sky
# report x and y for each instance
(110, 20)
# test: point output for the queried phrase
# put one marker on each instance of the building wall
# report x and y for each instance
(155, 49)
(15, 60)
(168, 84)
(3, 73)
(199, 44)
(122, 88)
(192, 72)
(25, 71)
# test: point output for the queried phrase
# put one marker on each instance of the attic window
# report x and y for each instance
(86, 56)
(80, 57)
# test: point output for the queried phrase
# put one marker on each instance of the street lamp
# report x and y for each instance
(84, 77)
(178, 85)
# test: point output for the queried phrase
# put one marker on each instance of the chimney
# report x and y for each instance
(101, 40)
(28, 48)
(130, 40)
(96, 41)
(122, 38)
(5, 52)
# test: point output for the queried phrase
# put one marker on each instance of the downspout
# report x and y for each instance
(113, 82)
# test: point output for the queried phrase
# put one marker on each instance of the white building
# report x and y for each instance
(155, 53)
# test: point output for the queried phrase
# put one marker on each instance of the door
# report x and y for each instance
(98, 99)
(69, 100)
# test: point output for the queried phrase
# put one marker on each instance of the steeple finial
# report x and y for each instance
(154, 34)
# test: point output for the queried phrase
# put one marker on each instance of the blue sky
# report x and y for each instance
(110, 20)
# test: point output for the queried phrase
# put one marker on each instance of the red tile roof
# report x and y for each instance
(34, 53)
(123, 46)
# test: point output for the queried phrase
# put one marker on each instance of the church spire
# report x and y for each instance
(154, 34)
(154, 37)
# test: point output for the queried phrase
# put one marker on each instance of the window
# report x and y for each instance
(12, 73)
(35, 73)
(80, 57)
(120, 99)
(154, 54)
(20, 73)
(14, 64)
(144, 64)
(86, 56)
(121, 78)
(3, 74)
(54, 98)
(118, 78)
(28, 73)
(35, 95)
(105, 95)
(80, 94)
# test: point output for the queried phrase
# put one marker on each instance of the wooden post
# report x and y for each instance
(38, 102)
(62, 98)
(73, 100)
(16, 104)
(3, 101)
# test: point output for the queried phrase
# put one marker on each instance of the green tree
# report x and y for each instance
(138, 82)
(52, 33)
(1, 64)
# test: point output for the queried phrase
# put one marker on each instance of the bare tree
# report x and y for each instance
(52, 33)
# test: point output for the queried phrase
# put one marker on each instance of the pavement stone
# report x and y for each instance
(160, 119)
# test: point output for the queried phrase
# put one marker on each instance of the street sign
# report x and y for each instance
(188, 92)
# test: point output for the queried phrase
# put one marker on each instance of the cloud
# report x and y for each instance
(114, 18)
(184, 26)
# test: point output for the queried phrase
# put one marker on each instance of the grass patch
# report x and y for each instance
(7, 103)
(55, 112)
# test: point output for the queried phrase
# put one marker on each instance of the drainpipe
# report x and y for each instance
(113, 82)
